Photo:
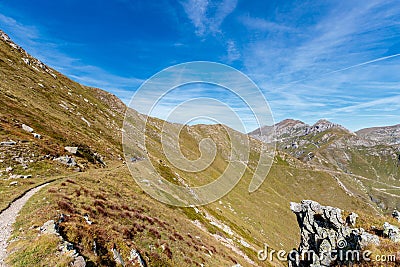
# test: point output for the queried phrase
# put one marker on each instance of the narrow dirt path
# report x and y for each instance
(7, 219)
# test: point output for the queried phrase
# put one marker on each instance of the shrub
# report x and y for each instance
(66, 206)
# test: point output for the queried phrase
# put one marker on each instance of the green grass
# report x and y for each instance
(122, 214)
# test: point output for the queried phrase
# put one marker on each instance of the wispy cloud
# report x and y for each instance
(260, 24)
(340, 63)
(196, 11)
(224, 8)
(30, 32)
(233, 52)
(312, 59)
(393, 102)
(206, 17)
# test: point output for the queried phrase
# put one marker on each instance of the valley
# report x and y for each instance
(108, 219)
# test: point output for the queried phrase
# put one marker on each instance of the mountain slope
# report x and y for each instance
(222, 233)
(369, 156)
(389, 135)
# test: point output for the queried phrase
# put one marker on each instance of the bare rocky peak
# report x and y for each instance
(388, 134)
(292, 128)
(323, 125)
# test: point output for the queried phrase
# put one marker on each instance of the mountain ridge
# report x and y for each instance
(125, 219)
(288, 126)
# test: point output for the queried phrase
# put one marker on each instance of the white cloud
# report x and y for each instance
(392, 102)
(196, 11)
(207, 18)
(233, 53)
(340, 60)
(260, 24)
(225, 8)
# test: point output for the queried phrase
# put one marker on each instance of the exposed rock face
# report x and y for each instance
(69, 161)
(26, 58)
(387, 135)
(392, 232)
(396, 215)
(292, 128)
(71, 149)
(51, 227)
(351, 219)
(136, 259)
(325, 237)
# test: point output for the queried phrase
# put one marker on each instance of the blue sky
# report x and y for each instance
(337, 60)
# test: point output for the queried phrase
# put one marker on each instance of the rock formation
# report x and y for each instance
(392, 232)
(51, 227)
(351, 219)
(396, 215)
(325, 237)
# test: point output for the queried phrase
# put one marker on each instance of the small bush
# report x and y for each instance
(155, 233)
(66, 206)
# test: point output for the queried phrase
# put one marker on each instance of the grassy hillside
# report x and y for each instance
(222, 233)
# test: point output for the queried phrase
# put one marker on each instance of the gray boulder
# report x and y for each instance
(351, 219)
(136, 259)
(49, 227)
(117, 256)
(326, 238)
(27, 128)
(71, 149)
(392, 232)
(8, 143)
(396, 215)
(69, 161)
(79, 262)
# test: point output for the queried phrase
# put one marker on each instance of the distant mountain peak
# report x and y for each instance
(323, 125)
(323, 121)
(289, 123)
(289, 128)
(384, 134)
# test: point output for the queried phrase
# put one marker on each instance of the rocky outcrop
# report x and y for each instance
(392, 232)
(136, 259)
(51, 227)
(69, 161)
(71, 149)
(289, 129)
(326, 238)
(351, 219)
(396, 215)
(384, 135)
(26, 58)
